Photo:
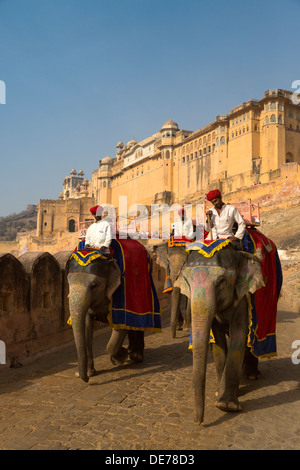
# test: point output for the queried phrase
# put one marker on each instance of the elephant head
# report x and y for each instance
(172, 258)
(217, 287)
(90, 291)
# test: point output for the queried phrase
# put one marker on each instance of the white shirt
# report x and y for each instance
(99, 234)
(185, 229)
(222, 224)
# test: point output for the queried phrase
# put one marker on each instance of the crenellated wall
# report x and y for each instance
(34, 305)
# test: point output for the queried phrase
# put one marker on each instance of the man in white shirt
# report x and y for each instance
(183, 227)
(99, 234)
(223, 218)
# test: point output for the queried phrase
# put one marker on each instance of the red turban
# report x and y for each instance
(96, 210)
(213, 194)
(181, 212)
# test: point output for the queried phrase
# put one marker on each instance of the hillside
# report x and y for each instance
(283, 227)
(15, 223)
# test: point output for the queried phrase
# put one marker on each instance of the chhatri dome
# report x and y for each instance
(170, 125)
(106, 160)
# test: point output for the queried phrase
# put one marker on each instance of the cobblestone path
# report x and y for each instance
(149, 406)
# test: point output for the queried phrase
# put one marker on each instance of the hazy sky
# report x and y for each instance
(81, 75)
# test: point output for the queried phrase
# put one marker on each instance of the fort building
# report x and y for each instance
(257, 142)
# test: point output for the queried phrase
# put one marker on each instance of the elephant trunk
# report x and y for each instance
(174, 310)
(79, 305)
(203, 312)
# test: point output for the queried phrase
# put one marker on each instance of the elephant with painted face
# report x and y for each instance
(217, 287)
(173, 257)
(90, 291)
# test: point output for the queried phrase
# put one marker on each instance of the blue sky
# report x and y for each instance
(81, 75)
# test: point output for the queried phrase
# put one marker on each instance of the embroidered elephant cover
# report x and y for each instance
(263, 303)
(135, 305)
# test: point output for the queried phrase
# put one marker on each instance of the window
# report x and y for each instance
(183, 160)
(280, 119)
(72, 225)
(273, 118)
(217, 141)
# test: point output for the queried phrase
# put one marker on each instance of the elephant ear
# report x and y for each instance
(182, 283)
(114, 279)
(161, 253)
(250, 277)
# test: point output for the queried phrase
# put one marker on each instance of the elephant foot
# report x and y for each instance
(250, 366)
(119, 358)
(253, 376)
(136, 356)
(90, 373)
(228, 405)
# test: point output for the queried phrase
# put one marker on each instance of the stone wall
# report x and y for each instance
(34, 305)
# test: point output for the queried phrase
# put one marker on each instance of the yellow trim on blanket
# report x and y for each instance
(217, 248)
(89, 258)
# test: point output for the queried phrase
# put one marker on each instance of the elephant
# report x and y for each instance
(90, 291)
(218, 287)
(172, 257)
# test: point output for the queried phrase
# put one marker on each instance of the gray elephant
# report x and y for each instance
(171, 258)
(217, 287)
(91, 288)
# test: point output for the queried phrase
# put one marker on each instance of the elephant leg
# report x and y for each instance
(89, 328)
(175, 299)
(250, 366)
(219, 349)
(230, 381)
(118, 354)
(136, 345)
(187, 316)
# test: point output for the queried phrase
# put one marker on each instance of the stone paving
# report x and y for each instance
(149, 406)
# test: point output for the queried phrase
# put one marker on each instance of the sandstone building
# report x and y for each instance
(256, 143)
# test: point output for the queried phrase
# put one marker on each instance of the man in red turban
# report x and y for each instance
(223, 217)
(99, 234)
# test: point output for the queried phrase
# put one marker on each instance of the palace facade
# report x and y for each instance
(253, 144)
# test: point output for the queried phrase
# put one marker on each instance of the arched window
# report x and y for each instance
(71, 225)
(273, 105)
(222, 140)
(217, 141)
(267, 120)
(289, 157)
(183, 160)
